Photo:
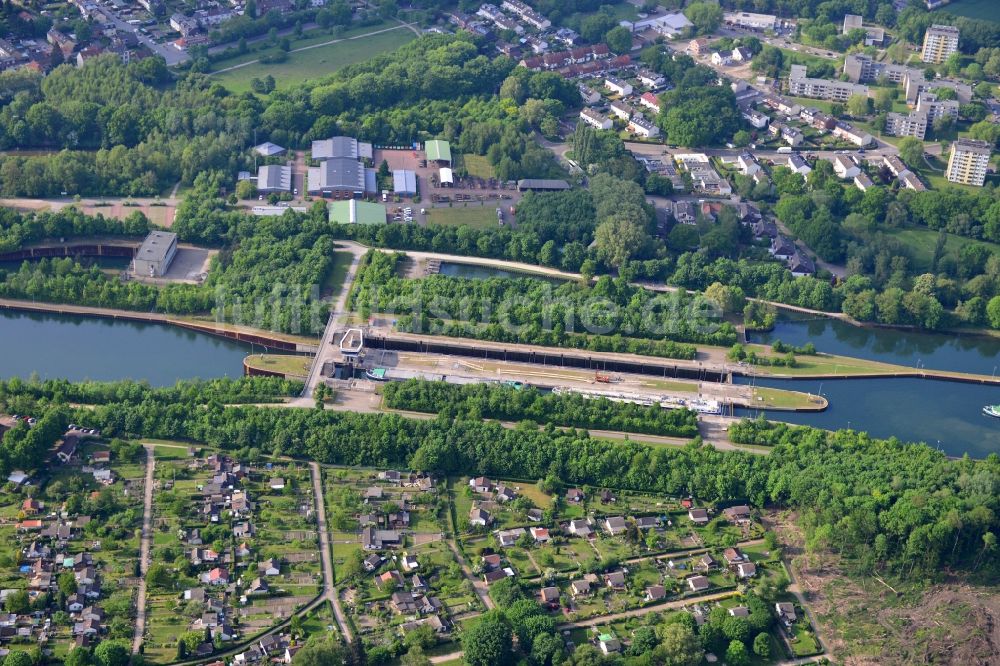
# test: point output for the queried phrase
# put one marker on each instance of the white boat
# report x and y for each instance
(992, 410)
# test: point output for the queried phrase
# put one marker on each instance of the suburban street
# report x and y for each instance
(144, 548)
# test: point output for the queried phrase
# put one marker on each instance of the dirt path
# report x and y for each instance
(326, 553)
(638, 612)
(147, 537)
(481, 590)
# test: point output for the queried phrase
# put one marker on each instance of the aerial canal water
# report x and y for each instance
(79, 348)
(940, 413)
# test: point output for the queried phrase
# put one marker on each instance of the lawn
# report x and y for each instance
(478, 165)
(985, 10)
(315, 62)
(921, 244)
(289, 364)
(480, 217)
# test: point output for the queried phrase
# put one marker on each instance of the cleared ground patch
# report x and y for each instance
(314, 61)
(478, 165)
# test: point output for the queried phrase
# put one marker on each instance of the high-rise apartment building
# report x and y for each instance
(968, 161)
(940, 41)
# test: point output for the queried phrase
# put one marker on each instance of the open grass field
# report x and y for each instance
(480, 217)
(478, 165)
(315, 61)
(986, 10)
(921, 243)
(286, 363)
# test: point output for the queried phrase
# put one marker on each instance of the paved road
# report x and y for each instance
(326, 553)
(170, 53)
(147, 537)
(327, 350)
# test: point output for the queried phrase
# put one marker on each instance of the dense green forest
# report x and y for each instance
(534, 311)
(881, 503)
(528, 404)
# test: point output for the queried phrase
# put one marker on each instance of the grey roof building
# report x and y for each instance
(268, 149)
(341, 174)
(404, 182)
(341, 146)
(155, 254)
(274, 178)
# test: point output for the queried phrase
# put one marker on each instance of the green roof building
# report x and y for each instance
(438, 151)
(353, 211)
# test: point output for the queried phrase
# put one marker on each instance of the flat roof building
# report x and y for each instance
(911, 124)
(404, 182)
(968, 161)
(438, 151)
(274, 178)
(353, 211)
(155, 254)
(801, 85)
(940, 41)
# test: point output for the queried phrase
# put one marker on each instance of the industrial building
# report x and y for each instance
(940, 41)
(342, 176)
(341, 146)
(155, 254)
(274, 178)
(438, 151)
(353, 211)
(404, 182)
(968, 161)
(541, 185)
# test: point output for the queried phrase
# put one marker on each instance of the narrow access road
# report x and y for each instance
(326, 553)
(146, 540)
(636, 612)
(480, 587)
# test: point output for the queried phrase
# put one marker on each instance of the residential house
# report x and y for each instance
(650, 101)
(409, 563)
(479, 517)
(698, 516)
(737, 514)
(608, 644)
(722, 58)
(733, 556)
(756, 118)
(782, 248)
(596, 119)
(786, 612)
(579, 588)
(746, 569)
(588, 95)
(507, 538)
(845, 167)
(505, 493)
(650, 79)
(372, 562)
(640, 126)
(580, 527)
(574, 495)
(647, 522)
(539, 534)
(270, 567)
(615, 525)
(481, 484)
(615, 580)
(549, 597)
(389, 580)
(739, 611)
(622, 110)
(698, 583)
(618, 86)
(655, 593)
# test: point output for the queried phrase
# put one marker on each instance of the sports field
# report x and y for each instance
(315, 60)
(480, 217)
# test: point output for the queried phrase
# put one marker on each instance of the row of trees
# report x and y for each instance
(513, 404)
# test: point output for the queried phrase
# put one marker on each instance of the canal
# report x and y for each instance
(912, 409)
(79, 348)
(937, 351)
